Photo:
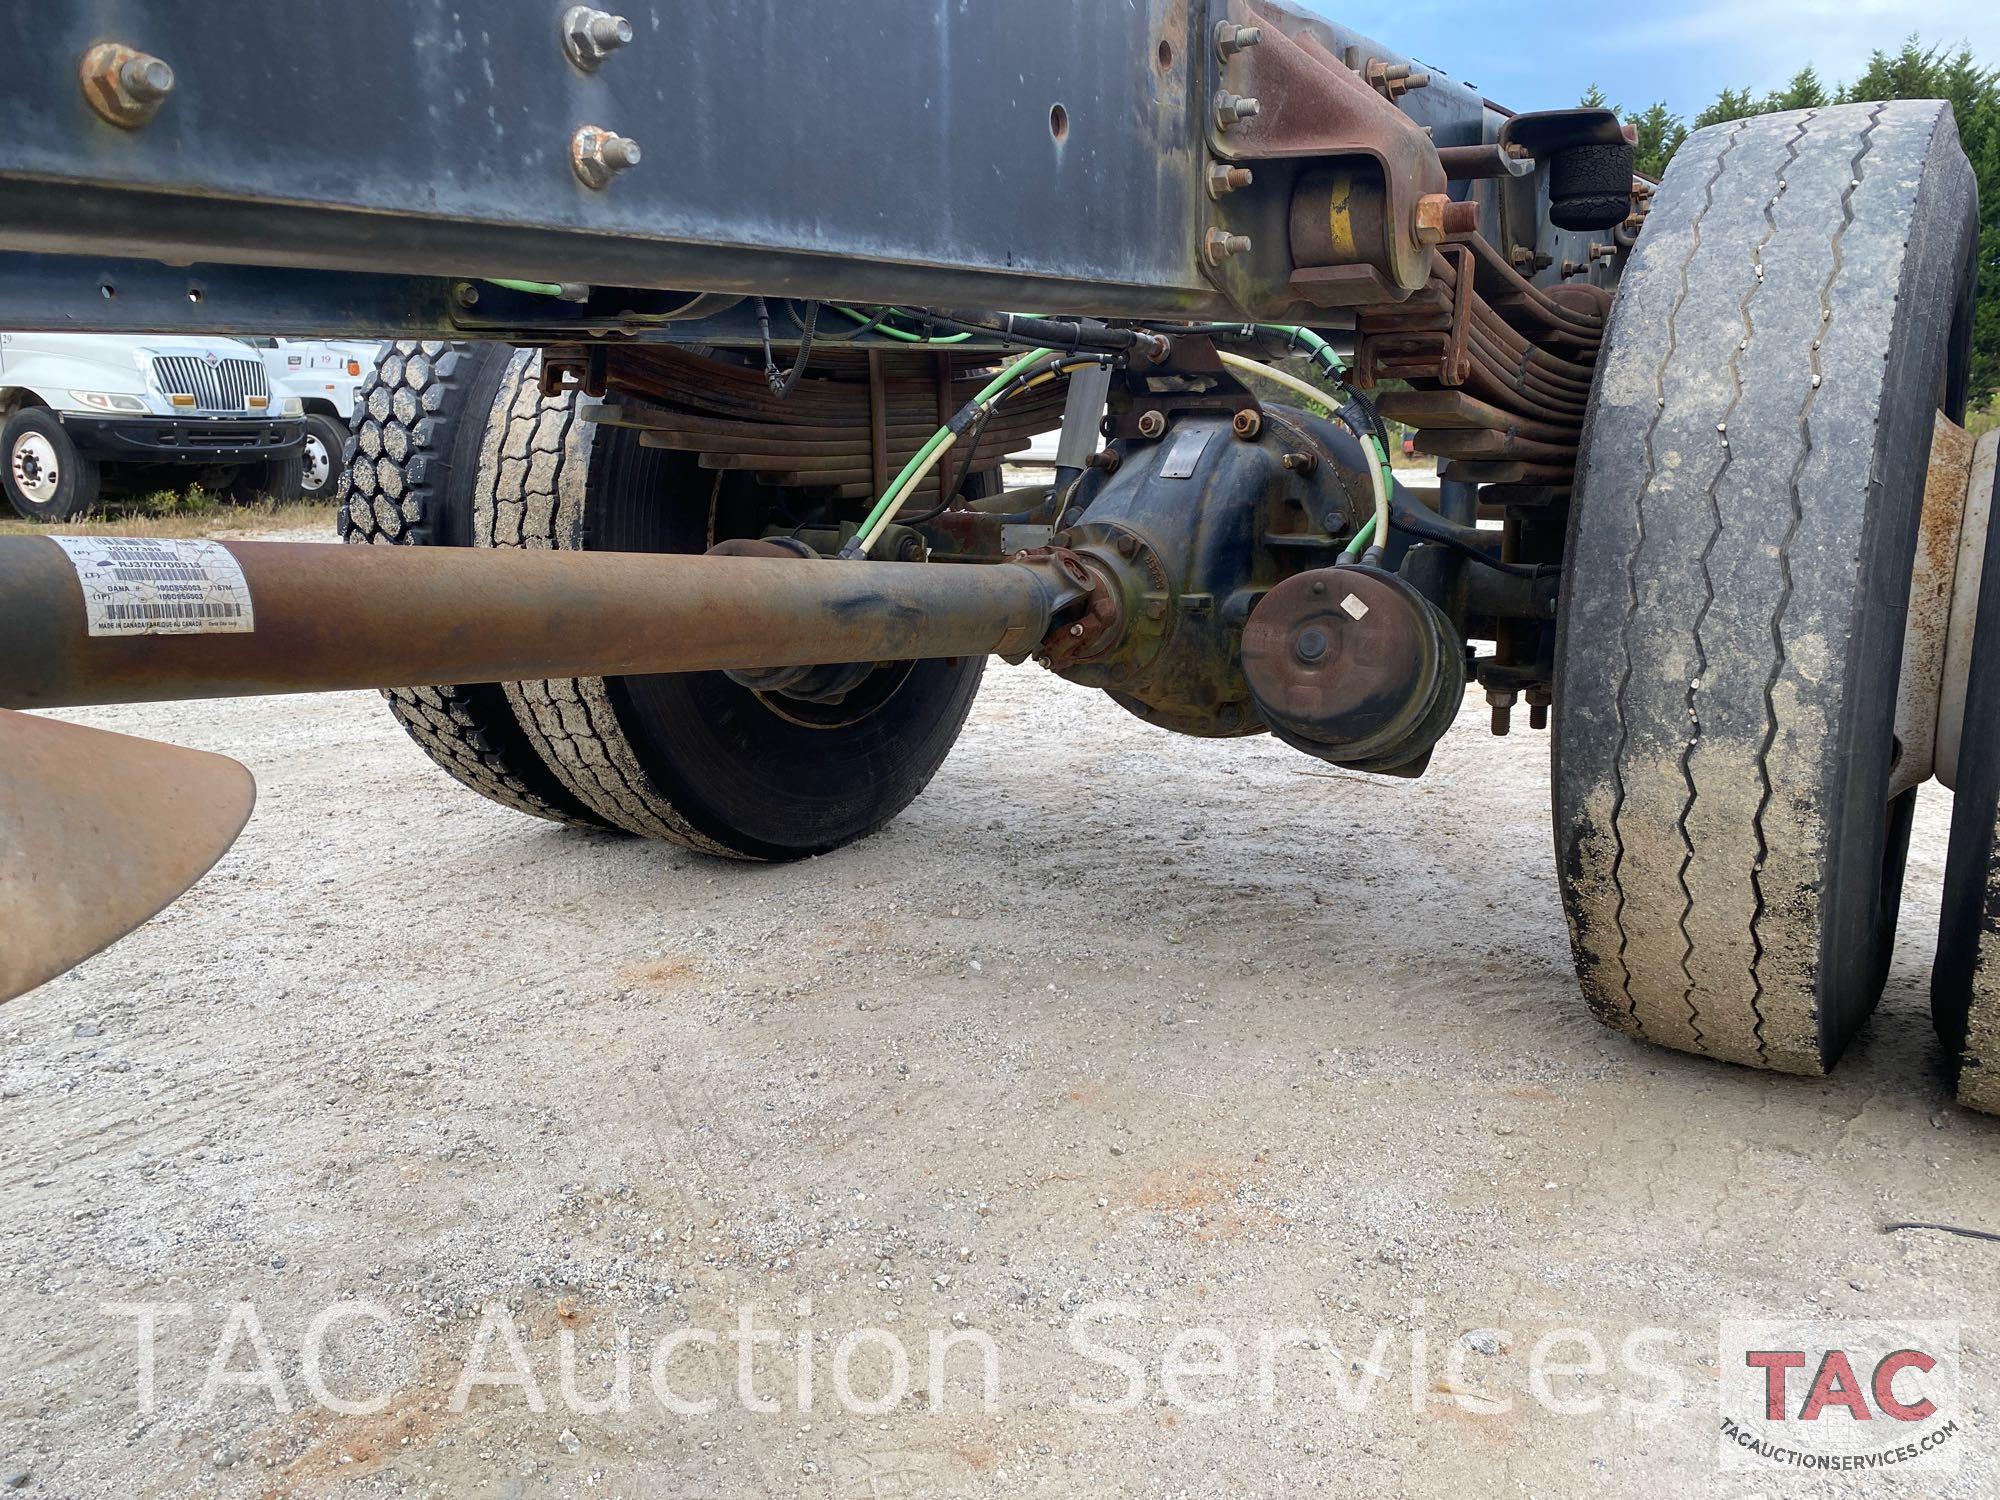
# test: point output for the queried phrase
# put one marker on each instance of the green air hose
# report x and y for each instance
(920, 461)
(896, 333)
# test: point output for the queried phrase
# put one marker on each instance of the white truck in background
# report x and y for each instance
(82, 413)
(324, 375)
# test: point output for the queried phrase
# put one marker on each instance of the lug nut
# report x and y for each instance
(125, 87)
(1218, 245)
(1231, 39)
(1247, 422)
(599, 155)
(590, 35)
(1151, 424)
(1230, 109)
(1227, 179)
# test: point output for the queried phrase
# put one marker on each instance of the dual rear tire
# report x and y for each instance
(454, 445)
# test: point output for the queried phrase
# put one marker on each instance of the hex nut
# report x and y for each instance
(1223, 178)
(1231, 39)
(1219, 245)
(1247, 422)
(1151, 424)
(125, 87)
(590, 35)
(1429, 228)
(1232, 109)
(598, 155)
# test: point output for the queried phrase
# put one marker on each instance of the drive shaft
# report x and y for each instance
(291, 617)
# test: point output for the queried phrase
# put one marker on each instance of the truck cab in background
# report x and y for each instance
(83, 413)
(323, 374)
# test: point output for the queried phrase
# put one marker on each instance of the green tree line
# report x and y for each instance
(1914, 71)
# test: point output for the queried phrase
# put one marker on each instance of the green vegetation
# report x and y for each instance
(1914, 71)
(193, 512)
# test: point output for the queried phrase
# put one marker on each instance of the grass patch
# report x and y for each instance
(193, 512)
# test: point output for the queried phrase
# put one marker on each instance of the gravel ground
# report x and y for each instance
(1210, 1031)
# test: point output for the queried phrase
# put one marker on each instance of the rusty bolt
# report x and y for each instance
(1127, 544)
(1303, 463)
(1218, 245)
(1151, 424)
(1247, 422)
(1106, 460)
(1223, 178)
(590, 35)
(125, 87)
(1230, 108)
(1501, 700)
(599, 155)
(1393, 80)
(1602, 252)
(1431, 209)
(1573, 268)
(1231, 39)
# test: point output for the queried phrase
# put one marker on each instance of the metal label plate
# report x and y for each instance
(1185, 451)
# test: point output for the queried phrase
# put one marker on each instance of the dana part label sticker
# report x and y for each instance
(144, 586)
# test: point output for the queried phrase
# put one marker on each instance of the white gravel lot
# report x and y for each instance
(1212, 1031)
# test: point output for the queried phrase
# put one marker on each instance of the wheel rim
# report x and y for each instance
(37, 474)
(319, 462)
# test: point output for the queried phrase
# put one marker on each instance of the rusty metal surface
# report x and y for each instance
(1351, 664)
(99, 831)
(353, 617)
(1499, 368)
(1981, 489)
(1928, 625)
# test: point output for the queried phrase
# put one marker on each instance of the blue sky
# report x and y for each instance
(1535, 54)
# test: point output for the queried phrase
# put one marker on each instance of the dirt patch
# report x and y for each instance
(1309, 1057)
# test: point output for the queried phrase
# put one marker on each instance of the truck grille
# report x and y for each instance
(224, 386)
